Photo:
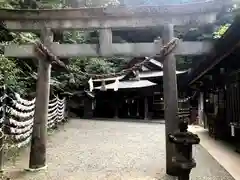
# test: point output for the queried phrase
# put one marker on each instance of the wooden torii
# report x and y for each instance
(106, 20)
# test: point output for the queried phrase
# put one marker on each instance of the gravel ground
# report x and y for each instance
(99, 150)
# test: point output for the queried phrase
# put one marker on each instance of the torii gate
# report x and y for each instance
(107, 19)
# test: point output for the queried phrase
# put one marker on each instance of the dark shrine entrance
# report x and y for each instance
(122, 104)
(104, 105)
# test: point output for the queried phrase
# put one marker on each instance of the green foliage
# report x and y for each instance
(99, 66)
(22, 74)
(8, 67)
(221, 31)
(74, 37)
(23, 38)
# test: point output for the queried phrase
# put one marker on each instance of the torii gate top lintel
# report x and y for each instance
(166, 10)
(112, 17)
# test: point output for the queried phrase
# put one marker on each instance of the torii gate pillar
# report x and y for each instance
(39, 137)
(170, 98)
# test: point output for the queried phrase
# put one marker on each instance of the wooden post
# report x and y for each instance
(1, 151)
(128, 109)
(138, 107)
(204, 107)
(88, 108)
(200, 110)
(145, 108)
(39, 137)
(116, 112)
(170, 98)
(3, 121)
(116, 106)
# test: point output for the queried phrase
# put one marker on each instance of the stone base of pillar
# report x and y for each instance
(36, 170)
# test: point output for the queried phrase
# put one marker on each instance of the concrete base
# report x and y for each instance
(36, 170)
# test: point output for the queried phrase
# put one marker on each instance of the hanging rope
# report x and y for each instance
(18, 123)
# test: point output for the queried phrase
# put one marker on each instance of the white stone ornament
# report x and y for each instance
(90, 82)
(116, 84)
(103, 87)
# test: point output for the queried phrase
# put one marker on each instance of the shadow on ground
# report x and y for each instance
(159, 121)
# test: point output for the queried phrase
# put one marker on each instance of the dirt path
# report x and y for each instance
(98, 150)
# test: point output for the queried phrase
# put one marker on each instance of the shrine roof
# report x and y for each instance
(150, 74)
(129, 84)
(151, 69)
(222, 49)
(151, 65)
(108, 79)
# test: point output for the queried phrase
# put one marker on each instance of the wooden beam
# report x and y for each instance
(121, 49)
(188, 48)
